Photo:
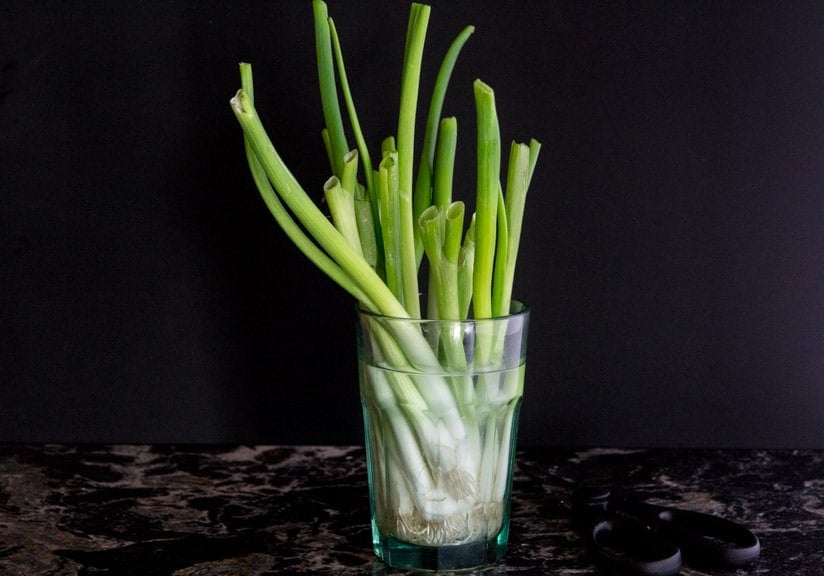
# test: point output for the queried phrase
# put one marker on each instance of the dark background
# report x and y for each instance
(673, 251)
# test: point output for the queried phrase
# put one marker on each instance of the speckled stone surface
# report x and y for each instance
(262, 510)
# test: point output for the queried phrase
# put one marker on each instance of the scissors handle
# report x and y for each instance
(650, 540)
(625, 543)
(709, 540)
(629, 547)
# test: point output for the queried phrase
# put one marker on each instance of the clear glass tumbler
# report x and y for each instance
(440, 404)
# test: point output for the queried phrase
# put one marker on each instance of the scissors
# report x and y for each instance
(634, 537)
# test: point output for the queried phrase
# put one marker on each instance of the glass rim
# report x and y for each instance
(518, 308)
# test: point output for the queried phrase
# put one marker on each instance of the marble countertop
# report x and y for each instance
(266, 510)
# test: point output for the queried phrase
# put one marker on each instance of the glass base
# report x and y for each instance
(469, 556)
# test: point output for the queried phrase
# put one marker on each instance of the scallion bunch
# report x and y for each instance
(385, 213)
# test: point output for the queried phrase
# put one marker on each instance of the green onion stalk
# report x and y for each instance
(391, 223)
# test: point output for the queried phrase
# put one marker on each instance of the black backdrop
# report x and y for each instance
(673, 251)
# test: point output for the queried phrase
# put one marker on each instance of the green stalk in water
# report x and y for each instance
(486, 203)
(410, 81)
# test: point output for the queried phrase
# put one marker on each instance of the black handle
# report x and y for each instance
(708, 540)
(639, 538)
(629, 547)
(624, 544)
